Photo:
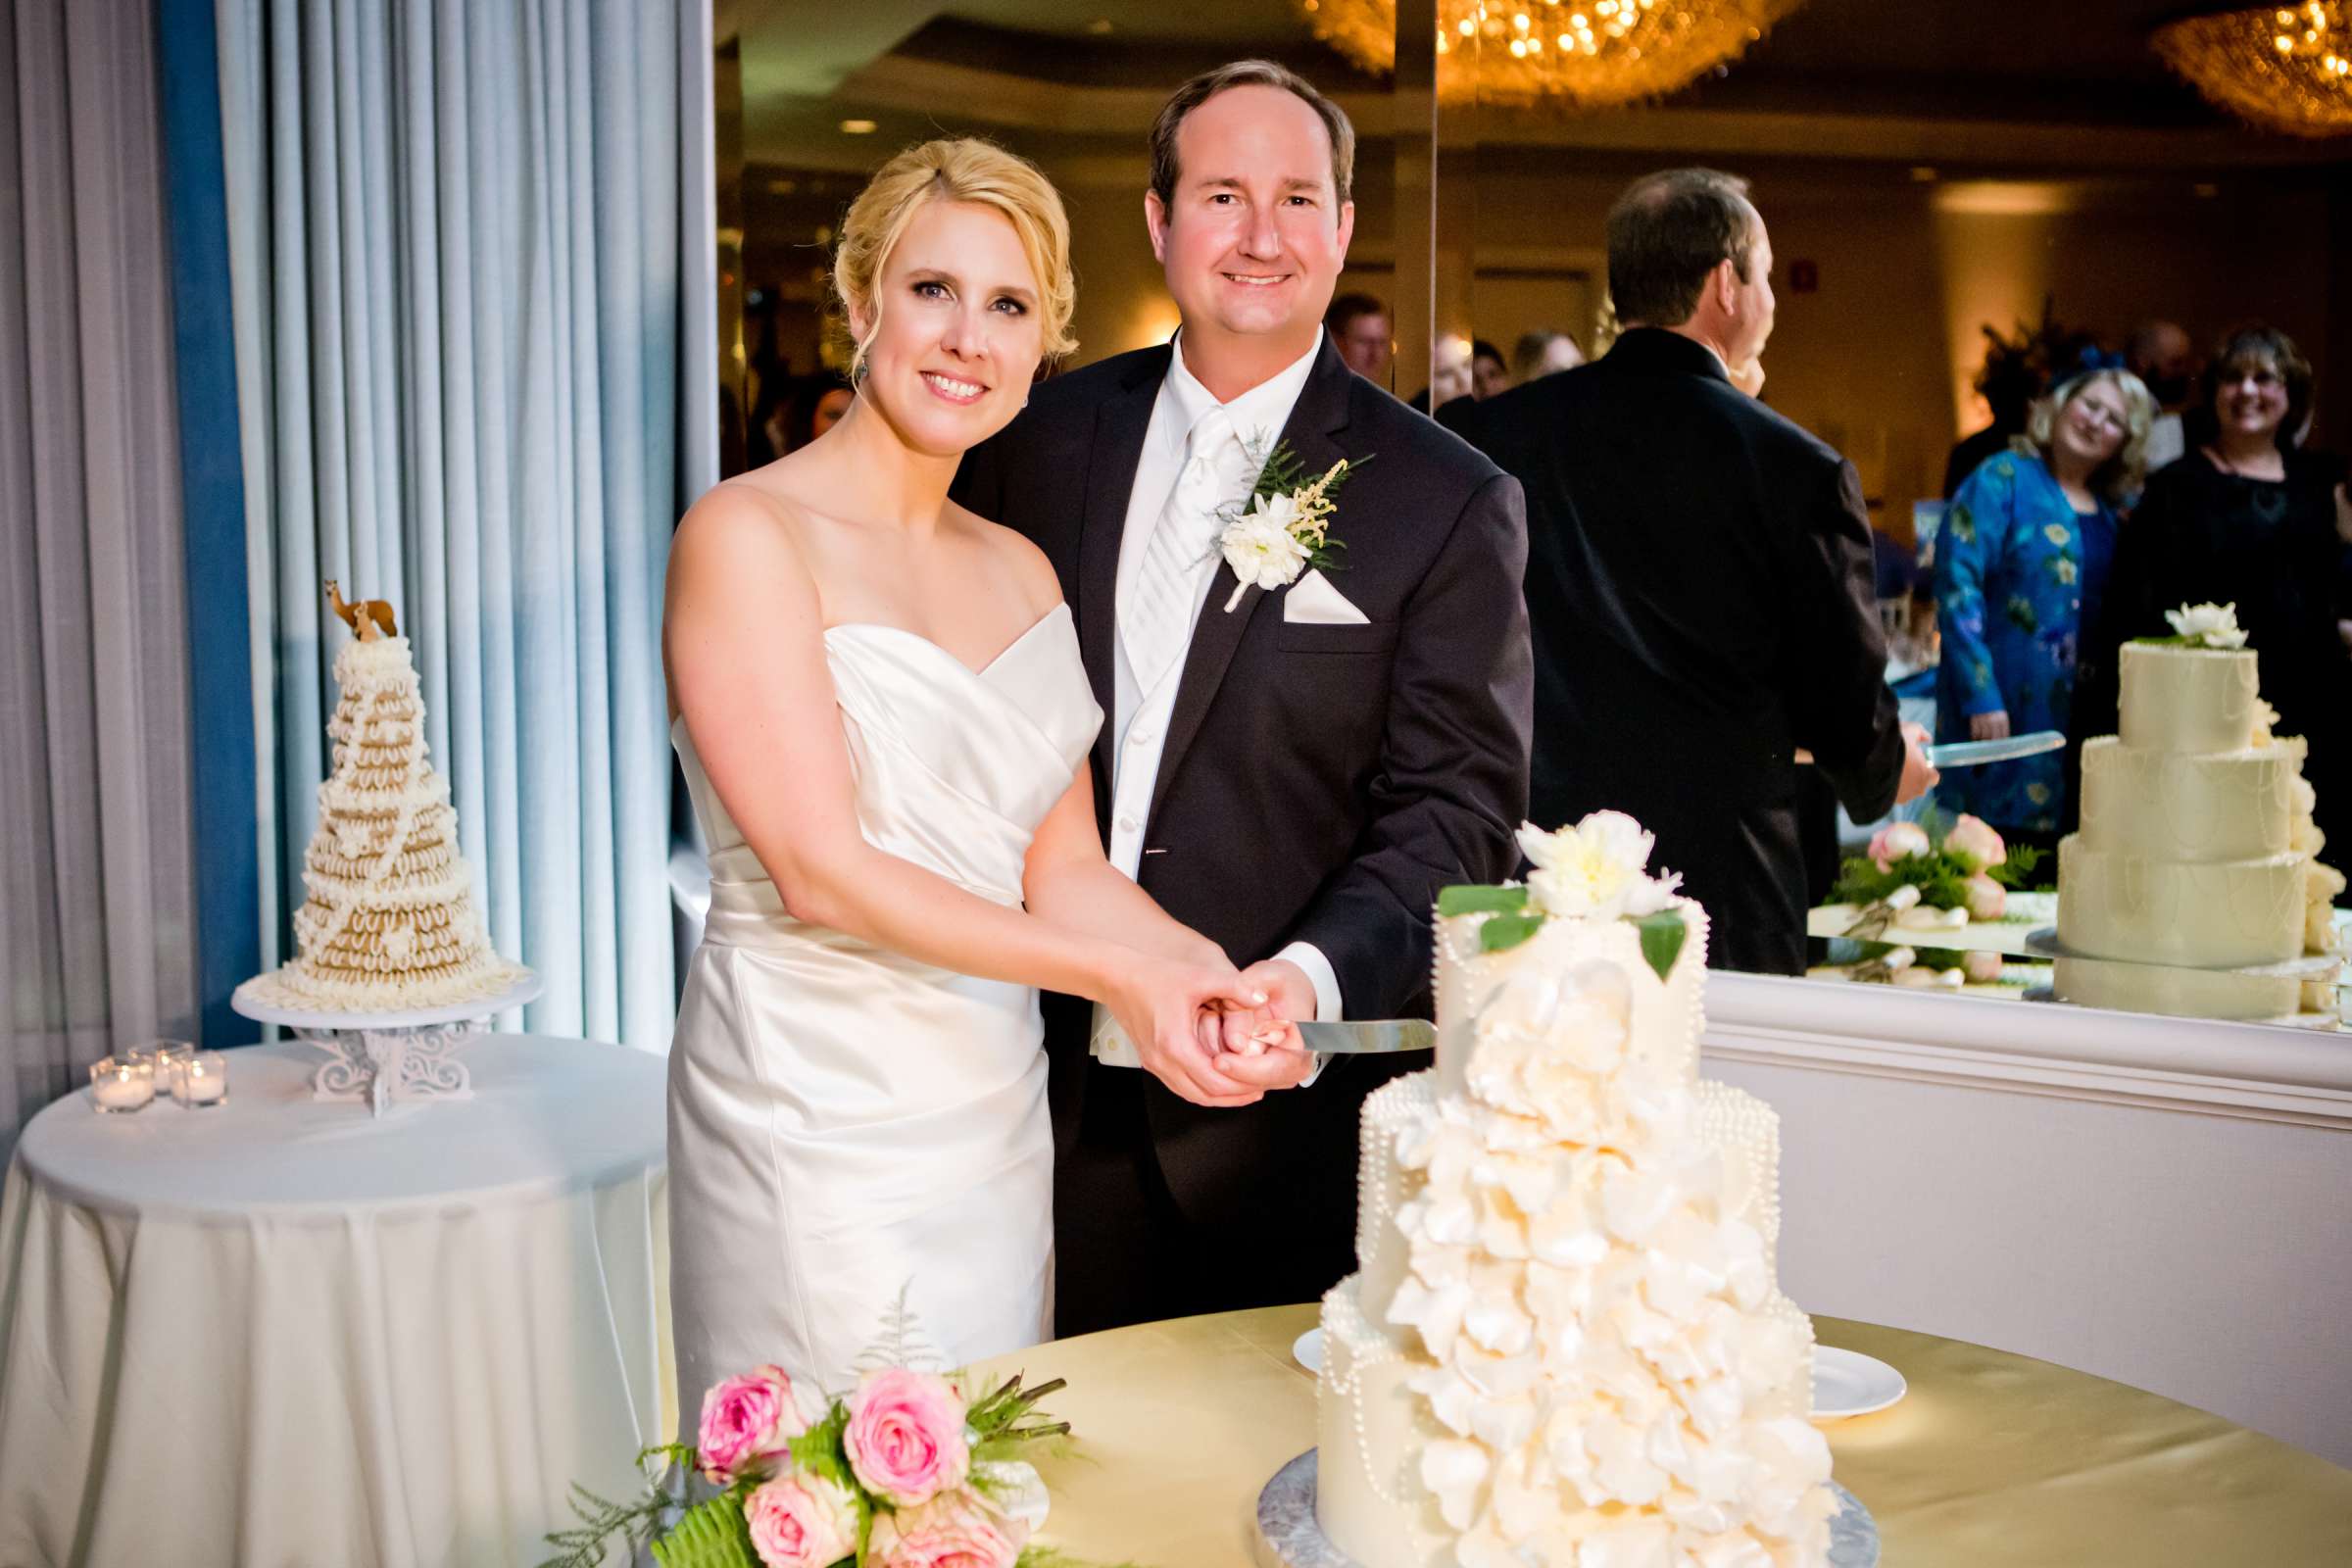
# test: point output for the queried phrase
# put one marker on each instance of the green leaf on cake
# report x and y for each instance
(1662, 938)
(1506, 931)
(1473, 898)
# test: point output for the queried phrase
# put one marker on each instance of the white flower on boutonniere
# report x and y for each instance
(2207, 626)
(1287, 525)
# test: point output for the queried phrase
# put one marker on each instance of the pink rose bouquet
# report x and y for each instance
(1972, 839)
(802, 1521)
(956, 1529)
(1899, 840)
(748, 1422)
(905, 1436)
(903, 1472)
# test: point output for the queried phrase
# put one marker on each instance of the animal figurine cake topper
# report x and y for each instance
(374, 611)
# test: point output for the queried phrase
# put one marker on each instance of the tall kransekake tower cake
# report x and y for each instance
(388, 923)
(1564, 1342)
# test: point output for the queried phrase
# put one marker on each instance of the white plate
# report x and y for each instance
(1307, 1351)
(1847, 1383)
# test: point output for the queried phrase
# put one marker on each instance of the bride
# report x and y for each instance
(879, 707)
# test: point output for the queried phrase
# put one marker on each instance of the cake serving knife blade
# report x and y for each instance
(1969, 754)
(1373, 1037)
(2009, 748)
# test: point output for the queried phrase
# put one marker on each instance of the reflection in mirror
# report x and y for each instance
(1999, 283)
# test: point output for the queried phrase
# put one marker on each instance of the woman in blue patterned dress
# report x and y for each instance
(2020, 564)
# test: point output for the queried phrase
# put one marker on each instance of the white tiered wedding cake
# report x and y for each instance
(388, 925)
(2196, 862)
(1565, 1343)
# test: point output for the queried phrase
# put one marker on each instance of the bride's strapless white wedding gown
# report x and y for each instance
(845, 1122)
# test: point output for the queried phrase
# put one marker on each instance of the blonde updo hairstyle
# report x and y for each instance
(966, 169)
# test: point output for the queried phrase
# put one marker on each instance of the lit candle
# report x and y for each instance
(169, 1056)
(203, 1079)
(121, 1086)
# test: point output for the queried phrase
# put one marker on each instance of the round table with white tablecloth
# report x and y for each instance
(279, 1332)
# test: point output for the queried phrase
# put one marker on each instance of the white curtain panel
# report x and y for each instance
(473, 264)
(97, 905)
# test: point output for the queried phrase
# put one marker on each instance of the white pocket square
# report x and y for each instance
(1313, 602)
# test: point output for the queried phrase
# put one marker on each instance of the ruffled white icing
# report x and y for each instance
(1609, 1372)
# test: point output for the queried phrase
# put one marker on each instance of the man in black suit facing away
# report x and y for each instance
(1293, 772)
(1698, 578)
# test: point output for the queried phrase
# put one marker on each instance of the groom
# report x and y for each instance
(1295, 774)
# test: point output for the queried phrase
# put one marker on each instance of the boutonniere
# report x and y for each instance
(1286, 527)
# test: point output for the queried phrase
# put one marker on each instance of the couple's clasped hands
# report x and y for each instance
(1214, 1035)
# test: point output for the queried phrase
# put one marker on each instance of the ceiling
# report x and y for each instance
(1074, 69)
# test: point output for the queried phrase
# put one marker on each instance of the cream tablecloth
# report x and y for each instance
(1991, 1460)
(280, 1334)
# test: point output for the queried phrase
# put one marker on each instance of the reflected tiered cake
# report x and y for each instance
(2196, 863)
(1564, 1342)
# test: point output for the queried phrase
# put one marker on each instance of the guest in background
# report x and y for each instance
(1698, 579)
(1361, 331)
(1543, 353)
(2161, 355)
(2248, 518)
(2020, 566)
(1488, 373)
(2011, 379)
(1451, 374)
(816, 405)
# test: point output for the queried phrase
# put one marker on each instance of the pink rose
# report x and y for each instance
(1982, 967)
(749, 1420)
(1974, 842)
(1987, 899)
(954, 1529)
(905, 1435)
(802, 1521)
(1897, 841)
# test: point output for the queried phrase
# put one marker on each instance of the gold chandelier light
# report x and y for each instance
(1594, 54)
(2284, 67)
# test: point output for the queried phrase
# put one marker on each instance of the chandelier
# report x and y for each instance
(2284, 67)
(1594, 54)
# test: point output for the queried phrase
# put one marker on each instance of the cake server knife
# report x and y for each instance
(1371, 1037)
(2009, 748)
(1968, 754)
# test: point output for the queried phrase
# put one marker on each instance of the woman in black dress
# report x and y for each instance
(2251, 518)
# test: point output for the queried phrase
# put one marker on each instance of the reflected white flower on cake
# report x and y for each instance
(2207, 626)
(1595, 869)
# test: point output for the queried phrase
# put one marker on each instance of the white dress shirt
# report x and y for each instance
(1139, 717)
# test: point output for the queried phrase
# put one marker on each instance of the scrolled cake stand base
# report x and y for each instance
(1289, 1535)
(384, 1057)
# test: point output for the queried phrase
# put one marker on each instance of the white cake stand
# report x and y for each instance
(382, 1057)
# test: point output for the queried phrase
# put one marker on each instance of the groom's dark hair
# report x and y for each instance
(1249, 73)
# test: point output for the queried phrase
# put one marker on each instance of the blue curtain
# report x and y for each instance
(472, 254)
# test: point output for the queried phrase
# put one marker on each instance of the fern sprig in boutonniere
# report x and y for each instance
(1286, 527)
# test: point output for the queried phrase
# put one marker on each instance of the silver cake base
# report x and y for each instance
(1289, 1536)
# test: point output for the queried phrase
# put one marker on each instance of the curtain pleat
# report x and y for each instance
(472, 228)
(97, 894)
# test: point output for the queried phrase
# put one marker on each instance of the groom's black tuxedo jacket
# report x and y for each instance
(1318, 782)
(1700, 569)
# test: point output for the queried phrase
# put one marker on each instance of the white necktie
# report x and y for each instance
(1156, 621)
